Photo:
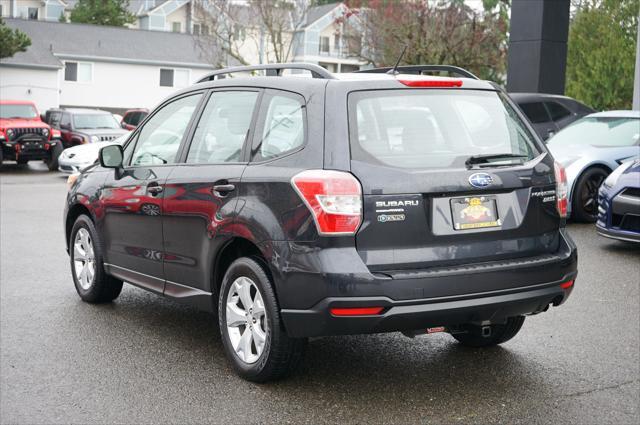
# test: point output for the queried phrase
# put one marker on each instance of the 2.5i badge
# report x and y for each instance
(474, 213)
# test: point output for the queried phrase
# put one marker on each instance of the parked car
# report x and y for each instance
(79, 126)
(133, 117)
(619, 203)
(76, 158)
(24, 137)
(550, 113)
(590, 149)
(300, 207)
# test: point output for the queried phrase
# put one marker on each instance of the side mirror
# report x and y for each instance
(111, 156)
(123, 125)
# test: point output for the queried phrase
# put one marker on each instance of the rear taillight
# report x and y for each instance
(334, 199)
(561, 190)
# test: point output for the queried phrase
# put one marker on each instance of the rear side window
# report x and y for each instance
(428, 129)
(283, 130)
(557, 111)
(536, 112)
(223, 128)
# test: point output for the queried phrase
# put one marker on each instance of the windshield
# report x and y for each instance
(88, 121)
(600, 131)
(436, 128)
(18, 111)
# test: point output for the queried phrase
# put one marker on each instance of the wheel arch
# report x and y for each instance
(75, 211)
(602, 165)
(236, 248)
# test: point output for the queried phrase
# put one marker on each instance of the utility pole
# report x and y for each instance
(636, 79)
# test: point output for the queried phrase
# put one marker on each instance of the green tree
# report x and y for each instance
(12, 41)
(434, 32)
(602, 49)
(102, 12)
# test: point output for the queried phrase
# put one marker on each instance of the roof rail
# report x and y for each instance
(419, 69)
(273, 70)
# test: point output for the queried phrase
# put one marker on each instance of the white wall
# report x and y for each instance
(117, 85)
(38, 86)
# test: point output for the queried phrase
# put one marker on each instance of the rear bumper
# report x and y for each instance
(422, 314)
(419, 299)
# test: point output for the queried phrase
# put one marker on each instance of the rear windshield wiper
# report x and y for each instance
(483, 159)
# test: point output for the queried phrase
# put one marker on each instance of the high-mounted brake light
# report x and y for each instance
(357, 311)
(334, 199)
(422, 82)
(562, 190)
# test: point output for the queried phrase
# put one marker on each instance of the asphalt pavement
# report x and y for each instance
(146, 359)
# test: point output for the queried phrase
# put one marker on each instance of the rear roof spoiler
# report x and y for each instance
(422, 69)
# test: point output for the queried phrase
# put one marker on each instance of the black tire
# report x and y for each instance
(22, 161)
(281, 354)
(52, 161)
(499, 333)
(1, 156)
(584, 203)
(103, 288)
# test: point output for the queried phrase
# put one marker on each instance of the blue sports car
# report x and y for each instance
(619, 203)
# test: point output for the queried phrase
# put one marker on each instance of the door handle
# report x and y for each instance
(155, 190)
(223, 189)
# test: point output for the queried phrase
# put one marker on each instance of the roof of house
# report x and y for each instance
(317, 12)
(51, 41)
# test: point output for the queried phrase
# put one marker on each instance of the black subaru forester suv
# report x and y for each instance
(293, 207)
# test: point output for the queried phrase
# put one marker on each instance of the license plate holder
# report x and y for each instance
(475, 212)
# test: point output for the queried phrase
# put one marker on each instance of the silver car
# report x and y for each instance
(589, 149)
(74, 159)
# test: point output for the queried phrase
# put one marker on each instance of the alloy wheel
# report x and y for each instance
(246, 318)
(589, 194)
(84, 261)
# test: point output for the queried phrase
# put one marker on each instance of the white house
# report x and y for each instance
(37, 10)
(321, 40)
(78, 65)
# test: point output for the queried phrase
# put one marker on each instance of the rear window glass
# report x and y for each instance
(536, 112)
(434, 128)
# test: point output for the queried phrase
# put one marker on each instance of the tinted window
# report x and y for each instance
(428, 129)
(535, 112)
(134, 118)
(159, 139)
(65, 121)
(284, 126)
(223, 127)
(557, 111)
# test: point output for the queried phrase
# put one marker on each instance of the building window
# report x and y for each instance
(200, 29)
(324, 45)
(1, 11)
(336, 42)
(176, 26)
(78, 71)
(32, 13)
(174, 77)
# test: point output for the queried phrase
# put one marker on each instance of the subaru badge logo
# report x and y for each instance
(480, 180)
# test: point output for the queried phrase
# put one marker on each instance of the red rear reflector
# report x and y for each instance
(431, 83)
(357, 311)
(567, 285)
(436, 330)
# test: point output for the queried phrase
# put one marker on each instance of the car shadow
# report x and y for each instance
(427, 371)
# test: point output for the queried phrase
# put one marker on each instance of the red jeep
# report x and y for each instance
(24, 137)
